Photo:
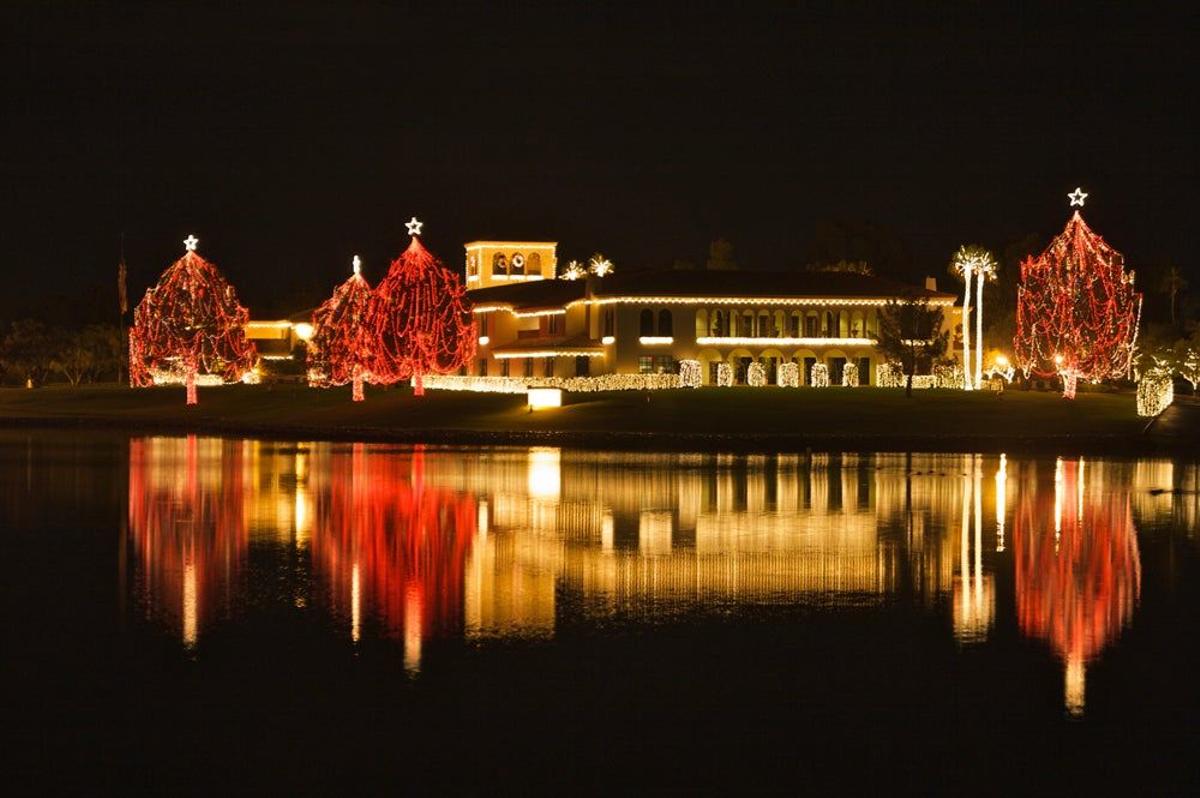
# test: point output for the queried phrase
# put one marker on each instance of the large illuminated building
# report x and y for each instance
(537, 320)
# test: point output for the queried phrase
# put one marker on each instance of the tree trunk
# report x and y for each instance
(979, 332)
(1070, 379)
(190, 381)
(418, 385)
(357, 392)
(908, 385)
(966, 328)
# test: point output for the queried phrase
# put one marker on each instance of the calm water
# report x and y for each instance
(193, 613)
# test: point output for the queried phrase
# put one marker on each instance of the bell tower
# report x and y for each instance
(505, 262)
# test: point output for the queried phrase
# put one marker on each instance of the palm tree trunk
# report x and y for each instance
(966, 327)
(979, 331)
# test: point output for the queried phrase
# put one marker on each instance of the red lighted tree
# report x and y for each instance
(340, 348)
(189, 323)
(1077, 311)
(420, 319)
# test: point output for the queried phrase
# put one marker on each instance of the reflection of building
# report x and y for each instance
(1078, 571)
(534, 325)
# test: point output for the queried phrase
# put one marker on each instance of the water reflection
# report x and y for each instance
(417, 545)
(1078, 570)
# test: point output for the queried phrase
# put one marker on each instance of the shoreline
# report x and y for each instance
(1065, 444)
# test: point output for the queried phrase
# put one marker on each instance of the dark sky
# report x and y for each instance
(290, 136)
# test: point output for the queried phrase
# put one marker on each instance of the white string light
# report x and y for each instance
(413, 226)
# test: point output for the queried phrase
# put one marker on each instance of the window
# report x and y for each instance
(582, 366)
(646, 322)
(809, 362)
(764, 324)
(701, 322)
(664, 323)
(503, 368)
(747, 330)
(548, 368)
(665, 364)
(528, 367)
(534, 264)
(830, 324)
(812, 325)
(482, 367)
(795, 329)
(608, 321)
(499, 264)
(864, 371)
(554, 324)
(483, 324)
(645, 364)
(517, 264)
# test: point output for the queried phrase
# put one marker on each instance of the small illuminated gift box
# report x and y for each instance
(544, 397)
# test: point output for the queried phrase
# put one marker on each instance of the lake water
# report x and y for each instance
(192, 613)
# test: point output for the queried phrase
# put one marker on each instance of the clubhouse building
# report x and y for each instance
(535, 323)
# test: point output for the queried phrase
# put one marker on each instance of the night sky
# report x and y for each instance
(289, 137)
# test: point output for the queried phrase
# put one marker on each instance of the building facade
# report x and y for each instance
(533, 324)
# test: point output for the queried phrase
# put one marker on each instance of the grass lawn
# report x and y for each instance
(764, 413)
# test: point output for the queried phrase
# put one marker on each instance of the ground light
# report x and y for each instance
(541, 398)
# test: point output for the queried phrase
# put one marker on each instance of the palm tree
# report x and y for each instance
(972, 261)
(1173, 282)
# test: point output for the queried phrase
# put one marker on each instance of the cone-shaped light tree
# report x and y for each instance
(340, 348)
(1077, 310)
(419, 319)
(190, 323)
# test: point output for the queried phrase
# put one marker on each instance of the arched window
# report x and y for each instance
(647, 322)
(764, 324)
(830, 324)
(664, 323)
(517, 264)
(701, 323)
(857, 330)
(499, 264)
(795, 329)
(812, 325)
(747, 330)
(534, 264)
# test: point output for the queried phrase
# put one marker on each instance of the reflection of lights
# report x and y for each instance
(654, 532)
(189, 602)
(412, 629)
(1058, 498)
(607, 532)
(545, 476)
(1075, 686)
(1078, 590)
(355, 603)
(481, 522)
(1001, 500)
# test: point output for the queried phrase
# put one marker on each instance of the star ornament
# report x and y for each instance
(190, 243)
(1077, 197)
(414, 227)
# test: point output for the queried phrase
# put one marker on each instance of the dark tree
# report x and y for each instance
(910, 332)
(27, 351)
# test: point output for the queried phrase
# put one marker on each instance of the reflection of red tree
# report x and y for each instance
(380, 534)
(187, 524)
(1076, 588)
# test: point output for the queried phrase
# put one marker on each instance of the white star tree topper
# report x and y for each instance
(189, 243)
(414, 227)
(1077, 197)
